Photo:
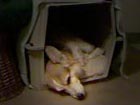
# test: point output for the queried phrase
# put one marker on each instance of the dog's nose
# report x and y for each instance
(80, 96)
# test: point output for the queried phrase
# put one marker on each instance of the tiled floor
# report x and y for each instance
(112, 91)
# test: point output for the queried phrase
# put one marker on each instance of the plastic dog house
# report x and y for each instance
(97, 21)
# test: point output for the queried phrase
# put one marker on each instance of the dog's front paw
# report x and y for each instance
(95, 53)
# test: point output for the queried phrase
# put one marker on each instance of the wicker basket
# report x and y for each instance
(10, 81)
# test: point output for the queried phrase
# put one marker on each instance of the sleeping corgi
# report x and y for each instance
(65, 73)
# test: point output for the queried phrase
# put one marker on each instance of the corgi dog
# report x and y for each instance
(67, 67)
(63, 73)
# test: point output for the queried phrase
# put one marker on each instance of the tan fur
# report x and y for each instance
(57, 76)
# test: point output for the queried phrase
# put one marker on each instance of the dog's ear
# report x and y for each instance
(54, 54)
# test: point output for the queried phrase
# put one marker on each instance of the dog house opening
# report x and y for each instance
(90, 22)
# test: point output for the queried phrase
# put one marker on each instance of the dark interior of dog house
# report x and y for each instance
(91, 22)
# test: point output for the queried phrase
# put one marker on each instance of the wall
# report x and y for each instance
(131, 15)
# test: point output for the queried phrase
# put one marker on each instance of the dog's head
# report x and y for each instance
(63, 73)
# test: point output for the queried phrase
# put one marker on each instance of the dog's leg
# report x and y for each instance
(76, 51)
(79, 48)
(85, 46)
(95, 53)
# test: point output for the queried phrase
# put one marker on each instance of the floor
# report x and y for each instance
(111, 91)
